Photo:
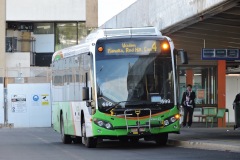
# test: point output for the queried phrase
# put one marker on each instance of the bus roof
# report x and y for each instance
(83, 47)
(105, 33)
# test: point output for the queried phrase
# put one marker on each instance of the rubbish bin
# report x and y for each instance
(236, 108)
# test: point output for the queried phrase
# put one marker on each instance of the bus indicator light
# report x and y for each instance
(100, 49)
(165, 46)
(177, 116)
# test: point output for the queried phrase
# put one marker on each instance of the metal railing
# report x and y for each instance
(27, 75)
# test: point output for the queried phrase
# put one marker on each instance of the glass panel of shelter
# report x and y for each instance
(204, 84)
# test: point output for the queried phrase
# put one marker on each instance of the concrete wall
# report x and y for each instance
(18, 59)
(45, 10)
(91, 13)
(161, 14)
(2, 36)
(18, 64)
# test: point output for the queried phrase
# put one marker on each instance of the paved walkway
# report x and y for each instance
(224, 139)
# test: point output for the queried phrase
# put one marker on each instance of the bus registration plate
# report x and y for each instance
(135, 130)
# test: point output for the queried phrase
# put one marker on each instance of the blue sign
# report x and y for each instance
(35, 98)
(220, 54)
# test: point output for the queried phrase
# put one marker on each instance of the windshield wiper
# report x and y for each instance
(147, 103)
(111, 107)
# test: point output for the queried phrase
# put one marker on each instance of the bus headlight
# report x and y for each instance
(171, 119)
(175, 118)
(102, 123)
(166, 122)
(108, 125)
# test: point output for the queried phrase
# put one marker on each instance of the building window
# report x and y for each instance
(70, 34)
(204, 84)
(43, 28)
(66, 35)
(82, 31)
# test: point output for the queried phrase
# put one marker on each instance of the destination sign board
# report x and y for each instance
(143, 47)
(220, 54)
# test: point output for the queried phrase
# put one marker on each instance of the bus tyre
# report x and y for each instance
(89, 142)
(77, 140)
(161, 139)
(66, 139)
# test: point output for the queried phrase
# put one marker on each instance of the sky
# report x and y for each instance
(109, 8)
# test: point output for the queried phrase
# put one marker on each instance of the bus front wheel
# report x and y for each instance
(66, 139)
(161, 139)
(89, 142)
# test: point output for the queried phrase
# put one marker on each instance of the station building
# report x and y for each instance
(194, 25)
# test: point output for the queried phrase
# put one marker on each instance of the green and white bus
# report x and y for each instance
(116, 84)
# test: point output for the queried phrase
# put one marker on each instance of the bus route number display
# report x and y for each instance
(132, 48)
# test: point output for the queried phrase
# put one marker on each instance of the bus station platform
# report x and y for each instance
(222, 139)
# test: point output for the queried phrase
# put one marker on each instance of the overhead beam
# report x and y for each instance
(222, 40)
(234, 11)
(205, 43)
(222, 21)
(217, 33)
(214, 26)
(204, 37)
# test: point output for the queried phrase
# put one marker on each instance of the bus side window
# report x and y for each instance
(85, 71)
(86, 62)
(85, 89)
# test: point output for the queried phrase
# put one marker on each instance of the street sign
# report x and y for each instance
(220, 54)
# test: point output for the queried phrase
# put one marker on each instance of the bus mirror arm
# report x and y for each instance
(85, 93)
(183, 55)
(90, 103)
(178, 105)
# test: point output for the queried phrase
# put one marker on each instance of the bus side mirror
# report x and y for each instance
(85, 93)
(184, 57)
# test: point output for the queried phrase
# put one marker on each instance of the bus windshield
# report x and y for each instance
(139, 77)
